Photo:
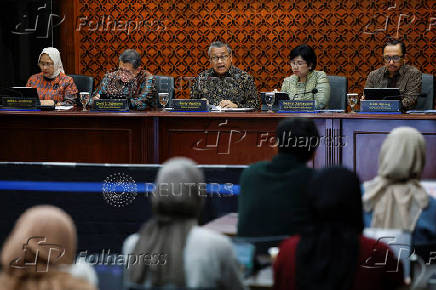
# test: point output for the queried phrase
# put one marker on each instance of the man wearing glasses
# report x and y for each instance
(129, 81)
(223, 84)
(396, 74)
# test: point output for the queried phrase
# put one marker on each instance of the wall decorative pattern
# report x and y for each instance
(174, 35)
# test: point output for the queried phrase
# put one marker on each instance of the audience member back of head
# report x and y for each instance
(331, 253)
(273, 198)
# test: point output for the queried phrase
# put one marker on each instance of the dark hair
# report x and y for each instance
(299, 137)
(328, 252)
(392, 41)
(131, 56)
(335, 196)
(307, 53)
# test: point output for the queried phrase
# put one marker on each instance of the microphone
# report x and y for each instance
(313, 91)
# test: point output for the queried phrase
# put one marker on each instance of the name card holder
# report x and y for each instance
(19, 103)
(188, 105)
(119, 105)
(380, 106)
(296, 106)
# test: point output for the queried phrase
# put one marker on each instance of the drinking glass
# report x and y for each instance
(163, 99)
(84, 99)
(269, 100)
(353, 100)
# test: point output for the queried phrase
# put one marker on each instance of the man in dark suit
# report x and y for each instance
(273, 199)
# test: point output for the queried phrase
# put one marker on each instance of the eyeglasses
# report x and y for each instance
(298, 63)
(394, 58)
(47, 64)
(222, 57)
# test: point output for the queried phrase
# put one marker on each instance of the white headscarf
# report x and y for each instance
(55, 56)
(396, 195)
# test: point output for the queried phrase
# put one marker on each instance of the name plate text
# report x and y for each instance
(190, 105)
(297, 105)
(19, 103)
(111, 105)
(380, 106)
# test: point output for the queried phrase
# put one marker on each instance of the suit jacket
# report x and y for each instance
(304, 91)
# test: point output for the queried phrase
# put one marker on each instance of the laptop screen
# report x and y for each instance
(382, 93)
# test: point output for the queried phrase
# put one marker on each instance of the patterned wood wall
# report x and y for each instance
(174, 35)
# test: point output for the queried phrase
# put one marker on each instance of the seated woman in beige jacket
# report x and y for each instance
(306, 83)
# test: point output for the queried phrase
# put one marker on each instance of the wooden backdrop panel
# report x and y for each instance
(174, 35)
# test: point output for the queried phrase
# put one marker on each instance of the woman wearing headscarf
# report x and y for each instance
(396, 196)
(332, 253)
(185, 255)
(52, 83)
(39, 252)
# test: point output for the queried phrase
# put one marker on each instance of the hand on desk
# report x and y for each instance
(47, 102)
(227, 104)
(96, 97)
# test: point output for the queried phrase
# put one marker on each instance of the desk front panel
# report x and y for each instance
(364, 138)
(353, 140)
(73, 138)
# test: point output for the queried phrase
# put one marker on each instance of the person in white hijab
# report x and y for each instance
(47, 56)
(52, 83)
(395, 195)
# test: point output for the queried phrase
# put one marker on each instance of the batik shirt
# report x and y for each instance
(408, 79)
(140, 91)
(235, 85)
(60, 89)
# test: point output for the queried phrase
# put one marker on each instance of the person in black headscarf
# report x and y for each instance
(332, 253)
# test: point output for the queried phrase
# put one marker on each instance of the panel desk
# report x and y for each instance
(352, 140)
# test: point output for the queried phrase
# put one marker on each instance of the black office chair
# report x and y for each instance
(84, 83)
(425, 100)
(338, 92)
(165, 84)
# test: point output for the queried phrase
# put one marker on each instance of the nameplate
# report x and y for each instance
(190, 105)
(297, 105)
(19, 103)
(379, 106)
(111, 105)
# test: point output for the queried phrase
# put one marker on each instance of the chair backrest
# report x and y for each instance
(338, 92)
(425, 100)
(83, 83)
(165, 84)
